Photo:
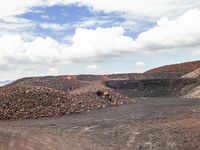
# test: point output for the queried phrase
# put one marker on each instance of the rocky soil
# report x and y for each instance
(55, 96)
(152, 122)
(63, 83)
(58, 95)
(193, 74)
(149, 124)
(172, 71)
(154, 87)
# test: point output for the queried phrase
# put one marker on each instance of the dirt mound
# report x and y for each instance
(64, 83)
(173, 71)
(100, 91)
(21, 101)
(32, 102)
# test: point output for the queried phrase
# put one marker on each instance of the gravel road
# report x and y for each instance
(149, 124)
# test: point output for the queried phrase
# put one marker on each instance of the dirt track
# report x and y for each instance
(156, 123)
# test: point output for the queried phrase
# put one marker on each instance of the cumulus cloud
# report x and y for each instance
(100, 42)
(168, 34)
(134, 8)
(13, 8)
(41, 50)
(172, 34)
(95, 44)
(44, 50)
(16, 25)
(144, 9)
(131, 8)
(86, 44)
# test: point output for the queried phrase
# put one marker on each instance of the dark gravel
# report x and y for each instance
(156, 123)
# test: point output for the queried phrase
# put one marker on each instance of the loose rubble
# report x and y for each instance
(36, 98)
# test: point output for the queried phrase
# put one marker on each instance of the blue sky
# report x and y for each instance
(73, 16)
(55, 37)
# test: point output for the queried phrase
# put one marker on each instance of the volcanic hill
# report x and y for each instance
(37, 97)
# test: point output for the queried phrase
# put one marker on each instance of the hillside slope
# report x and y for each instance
(36, 97)
(193, 74)
(173, 71)
(194, 90)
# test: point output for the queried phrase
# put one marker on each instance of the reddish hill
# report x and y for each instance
(71, 82)
(173, 71)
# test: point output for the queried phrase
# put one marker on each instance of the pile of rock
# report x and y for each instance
(24, 101)
(64, 83)
(104, 95)
(19, 102)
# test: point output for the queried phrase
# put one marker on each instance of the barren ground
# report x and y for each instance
(152, 124)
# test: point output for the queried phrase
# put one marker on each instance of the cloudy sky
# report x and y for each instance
(54, 37)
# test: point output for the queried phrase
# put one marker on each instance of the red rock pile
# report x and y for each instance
(49, 96)
(64, 83)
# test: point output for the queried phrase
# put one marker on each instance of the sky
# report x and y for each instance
(59, 37)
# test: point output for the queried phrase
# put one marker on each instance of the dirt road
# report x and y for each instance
(151, 124)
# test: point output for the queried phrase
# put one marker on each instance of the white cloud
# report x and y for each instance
(172, 34)
(13, 23)
(140, 64)
(16, 25)
(183, 32)
(137, 9)
(11, 8)
(99, 43)
(67, 39)
(86, 44)
(54, 26)
(92, 67)
(131, 8)
(44, 51)
(91, 22)
(130, 25)
(13, 49)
